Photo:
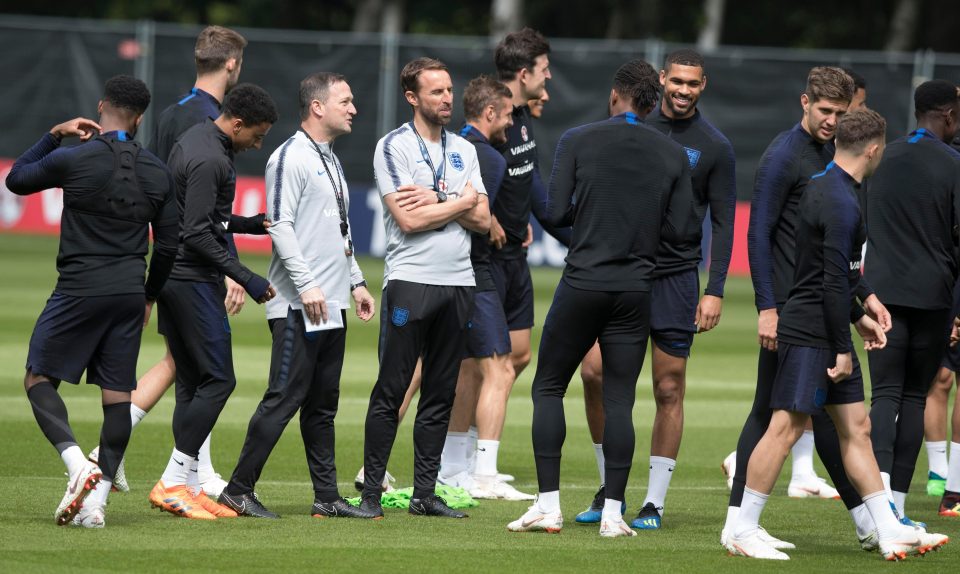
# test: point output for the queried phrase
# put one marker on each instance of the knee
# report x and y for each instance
(31, 380)
(520, 361)
(591, 372)
(668, 391)
(786, 429)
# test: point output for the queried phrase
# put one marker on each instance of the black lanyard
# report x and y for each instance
(439, 183)
(337, 192)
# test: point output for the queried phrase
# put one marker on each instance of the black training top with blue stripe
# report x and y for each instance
(113, 191)
(829, 240)
(913, 209)
(492, 168)
(713, 170)
(625, 188)
(782, 176)
(191, 109)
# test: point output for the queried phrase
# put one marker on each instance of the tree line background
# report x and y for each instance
(853, 24)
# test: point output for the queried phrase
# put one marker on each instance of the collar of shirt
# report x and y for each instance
(629, 117)
(223, 138)
(200, 94)
(838, 171)
(916, 135)
(657, 115)
(469, 130)
(326, 148)
(121, 135)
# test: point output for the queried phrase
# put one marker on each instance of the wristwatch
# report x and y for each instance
(441, 197)
(355, 285)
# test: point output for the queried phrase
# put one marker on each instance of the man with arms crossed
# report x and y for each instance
(433, 196)
(314, 272)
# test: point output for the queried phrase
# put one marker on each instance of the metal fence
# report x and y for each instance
(55, 68)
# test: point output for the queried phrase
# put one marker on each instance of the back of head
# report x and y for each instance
(215, 45)
(683, 57)
(250, 103)
(481, 92)
(316, 87)
(639, 83)
(518, 51)
(409, 76)
(127, 93)
(934, 96)
(859, 82)
(858, 128)
(829, 83)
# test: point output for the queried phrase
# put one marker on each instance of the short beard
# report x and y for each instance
(433, 117)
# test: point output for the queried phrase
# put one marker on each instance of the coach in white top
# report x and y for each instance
(315, 274)
(429, 180)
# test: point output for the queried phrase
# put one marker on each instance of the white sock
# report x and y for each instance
(937, 457)
(193, 477)
(803, 456)
(953, 474)
(136, 415)
(885, 477)
(900, 499)
(862, 520)
(74, 458)
(453, 459)
(611, 510)
(888, 527)
(601, 462)
(177, 469)
(661, 471)
(750, 509)
(470, 450)
(732, 513)
(205, 464)
(548, 501)
(98, 497)
(487, 457)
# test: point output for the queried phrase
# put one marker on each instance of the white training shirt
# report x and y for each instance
(308, 249)
(435, 257)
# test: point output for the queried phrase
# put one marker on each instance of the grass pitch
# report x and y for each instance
(721, 377)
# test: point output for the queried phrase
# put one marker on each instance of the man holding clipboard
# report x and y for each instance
(315, 273)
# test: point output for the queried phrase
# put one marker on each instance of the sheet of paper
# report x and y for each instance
(334, 319)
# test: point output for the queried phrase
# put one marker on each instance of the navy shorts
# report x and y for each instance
(673, 310)
(951, 356)
(488, 334)
(515, 288)
(802, 384)
(98, 334)
(193, 318)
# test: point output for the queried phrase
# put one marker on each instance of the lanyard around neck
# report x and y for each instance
(437, 173)
(337, 191)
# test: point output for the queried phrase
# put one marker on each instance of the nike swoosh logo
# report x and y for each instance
(178, 462)
(531, 523)
(321, 172)
(421, 509)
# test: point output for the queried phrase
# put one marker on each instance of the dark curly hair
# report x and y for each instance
(639, 82)
(935, 95)
(250, 103)
(128, 93)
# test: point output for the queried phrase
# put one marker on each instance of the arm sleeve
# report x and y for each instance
(492, 167)
(285, 181)
(722, 195)
(538, 206)
(864, 289)
(247, 225)
(560, 207)
(166, 231)
(390, 166)
(476, 174)
(198, 216)
(838, 301)
(776, 175)
(43, 166)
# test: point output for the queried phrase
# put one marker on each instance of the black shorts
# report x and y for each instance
(193, 318)
(488, 334)
(951, 356)
(802, 384)
(673, 311)
(98, 334)
(515, 288)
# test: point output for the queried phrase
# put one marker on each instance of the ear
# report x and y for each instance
(804, 101)
(231, 65)
(237, 125)
(100, 107)
(614, 97)
(703, 83)
(137, 120)
(490, 113)
(663, 77)
(411, 98)
(317, 107)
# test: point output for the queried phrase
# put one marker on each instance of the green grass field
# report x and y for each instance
(721, 378)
